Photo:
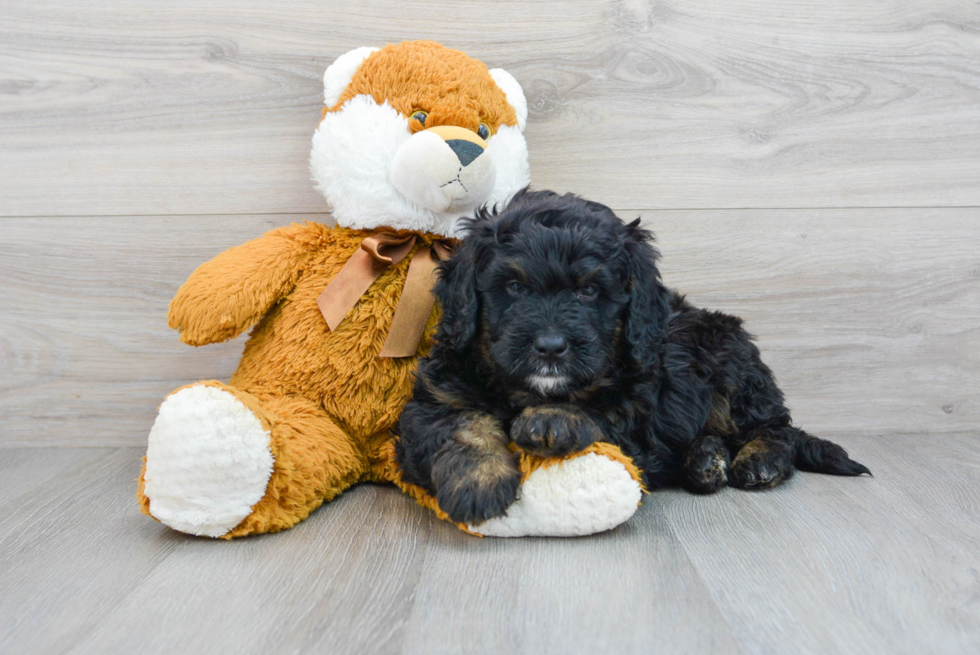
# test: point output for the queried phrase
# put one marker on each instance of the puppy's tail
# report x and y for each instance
(822, 456)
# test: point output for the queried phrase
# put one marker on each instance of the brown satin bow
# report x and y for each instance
(378, 252)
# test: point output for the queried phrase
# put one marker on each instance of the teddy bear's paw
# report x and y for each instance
(208, 461)
(580, 496)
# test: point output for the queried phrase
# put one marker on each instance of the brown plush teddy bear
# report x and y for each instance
(413, 137)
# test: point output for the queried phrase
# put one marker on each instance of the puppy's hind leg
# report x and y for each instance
(772, 455)
(706, 465)
(765, 459)
(707, 459)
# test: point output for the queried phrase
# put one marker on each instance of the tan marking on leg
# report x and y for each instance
(444, 397)
(483, 432)
(485, 436)
(547, 410)
(720, 421)
(492, 468)
(754, 447)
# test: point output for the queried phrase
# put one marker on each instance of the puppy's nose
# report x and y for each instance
(466, 151)
(551, 345)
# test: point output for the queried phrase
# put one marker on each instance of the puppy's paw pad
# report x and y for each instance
(755, 472)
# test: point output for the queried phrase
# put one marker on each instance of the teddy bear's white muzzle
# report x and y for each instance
(443, 175)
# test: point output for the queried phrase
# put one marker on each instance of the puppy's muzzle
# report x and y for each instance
(444, 168)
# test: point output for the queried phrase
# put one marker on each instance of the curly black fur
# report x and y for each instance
(557, 332)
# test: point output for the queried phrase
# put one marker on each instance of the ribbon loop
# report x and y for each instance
(443, 249)
(396, 247)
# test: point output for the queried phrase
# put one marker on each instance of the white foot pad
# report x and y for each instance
(581, 496)
(207, 462)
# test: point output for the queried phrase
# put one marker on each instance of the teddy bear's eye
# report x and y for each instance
(483, 131)
(420, 116)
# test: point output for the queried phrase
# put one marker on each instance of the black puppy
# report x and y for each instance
(556, 333)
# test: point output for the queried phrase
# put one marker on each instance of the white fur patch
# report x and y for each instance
(339, 74)
(547, 384)
(580, 496)
(353, 150)
(428, 172)
(515, 94)
(207, 462)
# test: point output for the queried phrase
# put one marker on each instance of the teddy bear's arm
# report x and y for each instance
(228, 294)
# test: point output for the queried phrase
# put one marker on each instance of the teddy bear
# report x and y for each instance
(413, 136)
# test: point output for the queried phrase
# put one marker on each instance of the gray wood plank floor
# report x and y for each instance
(821, 565)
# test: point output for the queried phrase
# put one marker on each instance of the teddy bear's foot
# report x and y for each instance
(579, 496)
(208, 461)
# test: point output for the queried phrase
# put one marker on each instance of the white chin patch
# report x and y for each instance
(547, 385)
(427, 171)
(352, 162)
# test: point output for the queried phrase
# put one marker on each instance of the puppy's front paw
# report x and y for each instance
(472, 487)
(553, 431)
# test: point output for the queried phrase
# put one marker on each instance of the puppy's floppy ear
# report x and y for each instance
(456, 289)
(645, 325)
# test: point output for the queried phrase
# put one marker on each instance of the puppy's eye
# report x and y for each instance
(483, 131)
(515, 287)
(420, 116)
(588, 291)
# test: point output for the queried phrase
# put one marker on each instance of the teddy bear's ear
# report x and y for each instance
(514, 93)
(341, 71)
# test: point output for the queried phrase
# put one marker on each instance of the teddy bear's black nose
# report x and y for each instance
(466, 151)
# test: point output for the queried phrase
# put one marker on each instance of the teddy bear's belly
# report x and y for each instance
(292, 351)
